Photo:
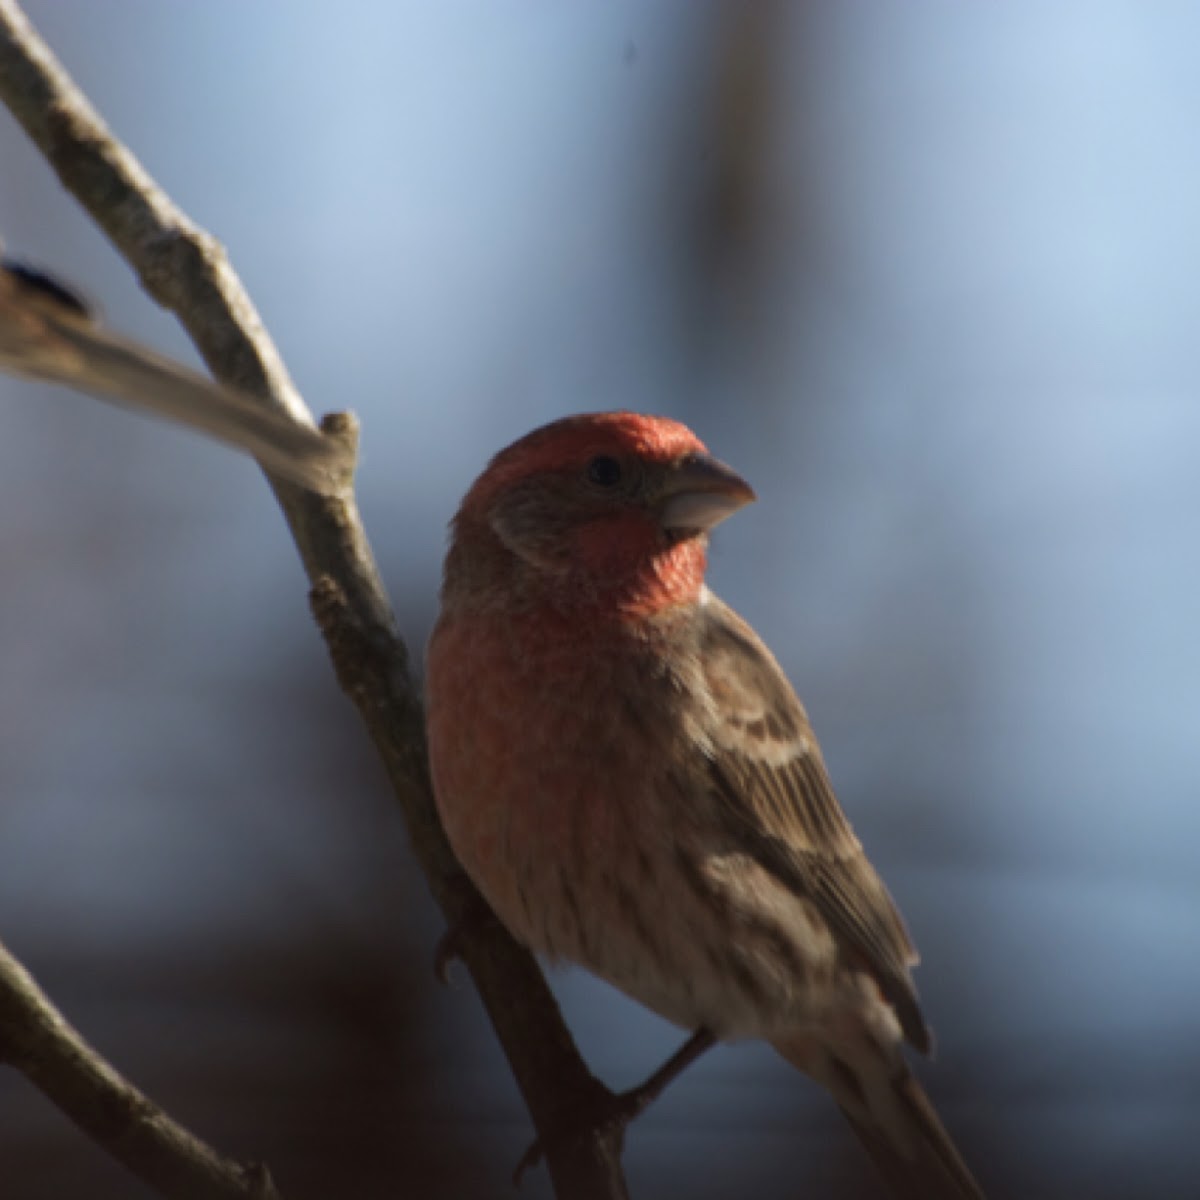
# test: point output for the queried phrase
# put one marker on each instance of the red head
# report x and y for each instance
(602, 509)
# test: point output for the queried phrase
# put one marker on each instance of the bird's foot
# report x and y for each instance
(604, 1112)
(476, 917)
(602, 1115)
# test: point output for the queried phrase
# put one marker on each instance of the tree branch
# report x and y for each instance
(187, 272)
(37, 1040)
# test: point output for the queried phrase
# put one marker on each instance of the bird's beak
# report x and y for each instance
(700, 492)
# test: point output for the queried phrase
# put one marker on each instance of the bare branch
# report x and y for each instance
(37, 1040)
(187, 272)
(46, 333)
(179, 264)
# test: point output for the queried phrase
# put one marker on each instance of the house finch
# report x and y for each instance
(47, 332)
(627, 776)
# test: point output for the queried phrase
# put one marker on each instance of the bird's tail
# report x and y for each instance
(893, 1118)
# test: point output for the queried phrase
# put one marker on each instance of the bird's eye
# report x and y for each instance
(604, 472)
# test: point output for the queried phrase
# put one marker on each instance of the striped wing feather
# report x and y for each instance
(782, 810)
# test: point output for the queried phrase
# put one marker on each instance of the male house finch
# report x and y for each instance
(627, 776)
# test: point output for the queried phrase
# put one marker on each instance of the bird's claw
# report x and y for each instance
(605, 1113)
(449, 947)
(530, 1159)
(475, 918)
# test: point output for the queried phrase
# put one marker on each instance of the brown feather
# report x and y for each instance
(893, 1118)
(782, 810)
(937, 1172)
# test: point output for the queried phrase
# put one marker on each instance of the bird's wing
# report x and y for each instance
(47, 333)
(782, 810)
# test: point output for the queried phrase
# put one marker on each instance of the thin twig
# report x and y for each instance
(187, 272)
(37, 1040)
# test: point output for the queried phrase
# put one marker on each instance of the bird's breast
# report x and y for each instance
(571, 778)
(544, 764)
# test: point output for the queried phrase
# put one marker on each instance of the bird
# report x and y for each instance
(627, 776)
(48, 332)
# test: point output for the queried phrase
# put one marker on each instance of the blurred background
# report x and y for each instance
(927, 275)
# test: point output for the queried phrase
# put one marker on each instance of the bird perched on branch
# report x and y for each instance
(48, 333)
(625, 773)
